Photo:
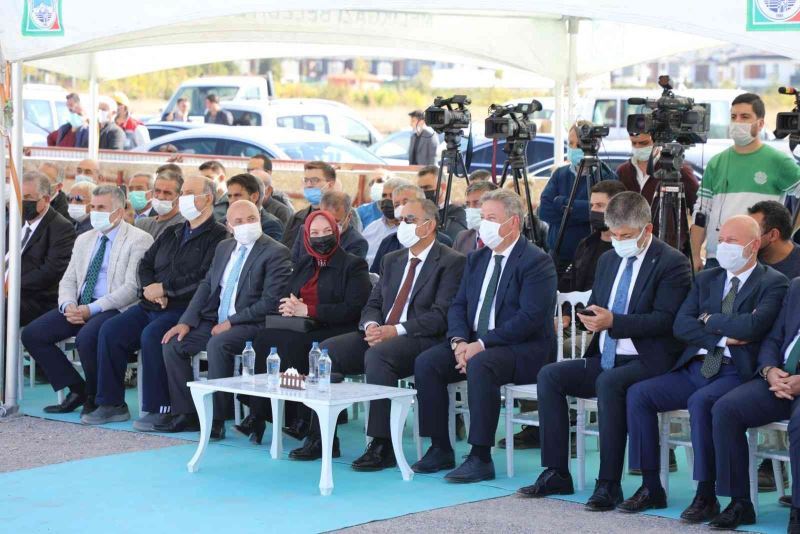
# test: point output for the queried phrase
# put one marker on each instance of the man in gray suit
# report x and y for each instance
(246, 281)
(100, 281)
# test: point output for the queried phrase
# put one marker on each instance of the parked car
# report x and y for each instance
(162, 128)
(540, 149)
(227, 88)
(316, 115)
(544, 168)
(44, 109)
(277, 143)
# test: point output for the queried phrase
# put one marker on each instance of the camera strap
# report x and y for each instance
(468, 157)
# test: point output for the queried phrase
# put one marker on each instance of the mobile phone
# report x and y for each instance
(587, 313)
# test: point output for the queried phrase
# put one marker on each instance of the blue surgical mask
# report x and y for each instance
(313, 195)
(138, 199)
(75, 120)
(575, 155)
(101, 220)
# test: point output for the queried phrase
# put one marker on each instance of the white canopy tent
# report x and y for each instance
(564, 41)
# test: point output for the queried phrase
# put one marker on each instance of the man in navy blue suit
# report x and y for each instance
(723, 320)
(499, 330)
(771, 396)
(637, 290)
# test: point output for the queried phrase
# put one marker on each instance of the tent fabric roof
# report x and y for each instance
(525, 34)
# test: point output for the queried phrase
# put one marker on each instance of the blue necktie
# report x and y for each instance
(619, 307)
(230, 285)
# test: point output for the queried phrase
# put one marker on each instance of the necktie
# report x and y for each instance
(488, 298)
(25, 237)
(94, 272)
(620, 306)
(794, 357)
(230, 285)
(479, 244)
(713, 360)
(402, 296)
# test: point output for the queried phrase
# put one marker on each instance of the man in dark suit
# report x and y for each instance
(246, 281)
(318, 177)
(59, 200)
(467, 240)
(248, 187)
(405, 314)
(456, 216)
(723, 320)
(391, 243)
(773, 395)
(339, 204)
(637, 291)
(499, 331)
(47, 240)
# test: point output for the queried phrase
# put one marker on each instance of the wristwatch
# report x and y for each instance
(704, 318)
(765, 371)
(454, 343)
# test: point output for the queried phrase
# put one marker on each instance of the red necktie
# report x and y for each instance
(480, 244)
(402, 295)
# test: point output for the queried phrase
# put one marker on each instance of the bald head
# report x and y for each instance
(89, 168)
(242, 212)
(742, 231)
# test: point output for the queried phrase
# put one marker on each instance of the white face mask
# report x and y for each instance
(247, 234)
(83, 178)
(473, 217)
(187, 207)
(489, 232)
(398, 212)
(642, 153)
(407, 234)
(626, 248)
(101, 220)
(376, 192)
(731, 256)
(102, 116)
(76, 211)
(741, 134)
(162, 207)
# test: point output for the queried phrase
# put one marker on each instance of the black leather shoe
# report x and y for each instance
(217, 430)
(786, 501)
(379, 455)
(298, 429)
(435, 460)
(550, 482)
(257, 434)
(739, 512)
(607, 496)
(794, 521)
(472, 470)
(246, 426)
(71, 401)
(701, 510)
(643, 500)
(88, 406)
(312, 450)
(527, 438)
(179, 423)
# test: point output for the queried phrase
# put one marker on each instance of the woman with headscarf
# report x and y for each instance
(327, 291)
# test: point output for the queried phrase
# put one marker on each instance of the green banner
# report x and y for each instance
(42, 18)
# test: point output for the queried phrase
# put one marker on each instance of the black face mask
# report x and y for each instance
(29, 211)
(387, 208)
(323, 245)
(597, 221)
(431, 195)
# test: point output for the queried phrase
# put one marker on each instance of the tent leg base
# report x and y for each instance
(9, 411)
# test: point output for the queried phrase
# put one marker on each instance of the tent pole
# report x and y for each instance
(572, 72)
(3, 131)
(558, 124)
(94, 132)
(13, 349)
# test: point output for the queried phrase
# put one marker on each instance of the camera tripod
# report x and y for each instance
(452, 158)
(669, 204)
(516, 165)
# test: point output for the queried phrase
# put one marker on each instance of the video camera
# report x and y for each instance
(671, 118)
(448, 114)
(590, 137)
(788, 122)
(512, 121)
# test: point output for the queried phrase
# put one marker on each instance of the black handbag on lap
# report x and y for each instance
(292, 324)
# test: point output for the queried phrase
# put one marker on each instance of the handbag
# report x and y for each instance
(292, 324)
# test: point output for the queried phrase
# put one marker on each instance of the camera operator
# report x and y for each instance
(735, 179)
(555, 196)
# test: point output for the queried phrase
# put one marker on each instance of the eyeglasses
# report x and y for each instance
(75, 198)
(311, 181)
(89, 172)
(412, 219)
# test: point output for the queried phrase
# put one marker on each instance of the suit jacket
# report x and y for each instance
(456, 221)
(783, 331)
(524, 304)
(664, 280)
(44, 260)
(351, 241)
(262, 283)
(756, 306)
(60, 204)
(123, 262)
(343, 287)
(466, 241)
(430, 297)
(390, 243)
(295, 226)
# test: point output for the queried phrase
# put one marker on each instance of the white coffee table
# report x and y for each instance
(327, 406)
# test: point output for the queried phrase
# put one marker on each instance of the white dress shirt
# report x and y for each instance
(374, 233)
(723, 342)
(228, 268)
(33, 226)
(641, 177)
(625, 345)
(486, 277)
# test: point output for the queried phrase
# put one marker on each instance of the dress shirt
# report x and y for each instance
(101, 288)
(486, 277)
(723, 342)
(641, 177)
(228, 268)
(33, 226)
(374, 234)
(625, 346)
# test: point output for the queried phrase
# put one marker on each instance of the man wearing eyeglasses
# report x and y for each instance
(78, 202)
(318, 177)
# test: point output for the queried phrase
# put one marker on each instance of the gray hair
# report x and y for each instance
(512, 202)
(336, 200)
(150, 179)
(170, 174)
(394, 183)
(627, 209)
(82, 187)
(210, 188)
(480, 186)
(40, 179)
(116, 194)
(430, 209)
(418, 192)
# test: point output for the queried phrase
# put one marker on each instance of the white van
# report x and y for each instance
(246, 88)
(44, 109)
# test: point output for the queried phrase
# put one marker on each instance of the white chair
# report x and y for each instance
(456, 406)
(778, 456)
(528, 391)
(668, 440)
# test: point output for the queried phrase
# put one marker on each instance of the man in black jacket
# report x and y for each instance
(169, 273)
(406, 314)
(59, 199)
(47, 240)
(456, 215)
(318, 177)
(338, 204)
(248, 187)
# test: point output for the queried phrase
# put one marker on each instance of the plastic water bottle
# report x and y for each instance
(273, 369)
(248, 360)
(313, 364)
(325, 371)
